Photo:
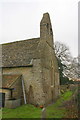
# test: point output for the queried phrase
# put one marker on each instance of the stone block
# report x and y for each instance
(12, 103)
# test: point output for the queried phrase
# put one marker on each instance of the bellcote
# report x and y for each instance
(46, 32)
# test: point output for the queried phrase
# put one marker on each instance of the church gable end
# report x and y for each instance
(36, 61)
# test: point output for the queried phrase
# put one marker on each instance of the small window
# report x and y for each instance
(47, 25)
(51, 31)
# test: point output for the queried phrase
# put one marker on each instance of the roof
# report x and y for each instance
(19, 53)
(9, 80)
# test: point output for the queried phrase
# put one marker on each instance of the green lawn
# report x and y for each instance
(0, 114)
(56, 110)
(25, 111)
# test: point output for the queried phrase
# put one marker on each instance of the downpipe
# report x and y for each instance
(24, 94)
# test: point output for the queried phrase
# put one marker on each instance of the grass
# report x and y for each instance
(0, 114)
(25, 111)
(56, 110)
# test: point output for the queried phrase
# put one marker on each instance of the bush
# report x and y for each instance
(66, 81)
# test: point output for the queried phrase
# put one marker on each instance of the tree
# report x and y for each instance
(72, 70)
(68, 66)
(62, 52)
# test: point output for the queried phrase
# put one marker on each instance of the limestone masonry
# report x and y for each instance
(30, 69)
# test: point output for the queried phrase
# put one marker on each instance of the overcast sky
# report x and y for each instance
(20, 19)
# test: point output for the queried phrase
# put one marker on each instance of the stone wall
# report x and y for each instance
(32, 77)
(49, 65)
(12, 103)
(50, 73)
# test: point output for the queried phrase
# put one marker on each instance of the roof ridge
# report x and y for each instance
(21, 41)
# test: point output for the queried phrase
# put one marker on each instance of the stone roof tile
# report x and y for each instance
(19, 53)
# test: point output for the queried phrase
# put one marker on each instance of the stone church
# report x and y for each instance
(30, 69)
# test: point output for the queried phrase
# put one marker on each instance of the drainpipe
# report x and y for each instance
(24, 94)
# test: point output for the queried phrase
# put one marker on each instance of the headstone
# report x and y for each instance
(43, 114)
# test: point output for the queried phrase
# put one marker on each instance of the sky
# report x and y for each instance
(20, 20)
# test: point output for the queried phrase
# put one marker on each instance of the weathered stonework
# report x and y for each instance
(36, 62)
